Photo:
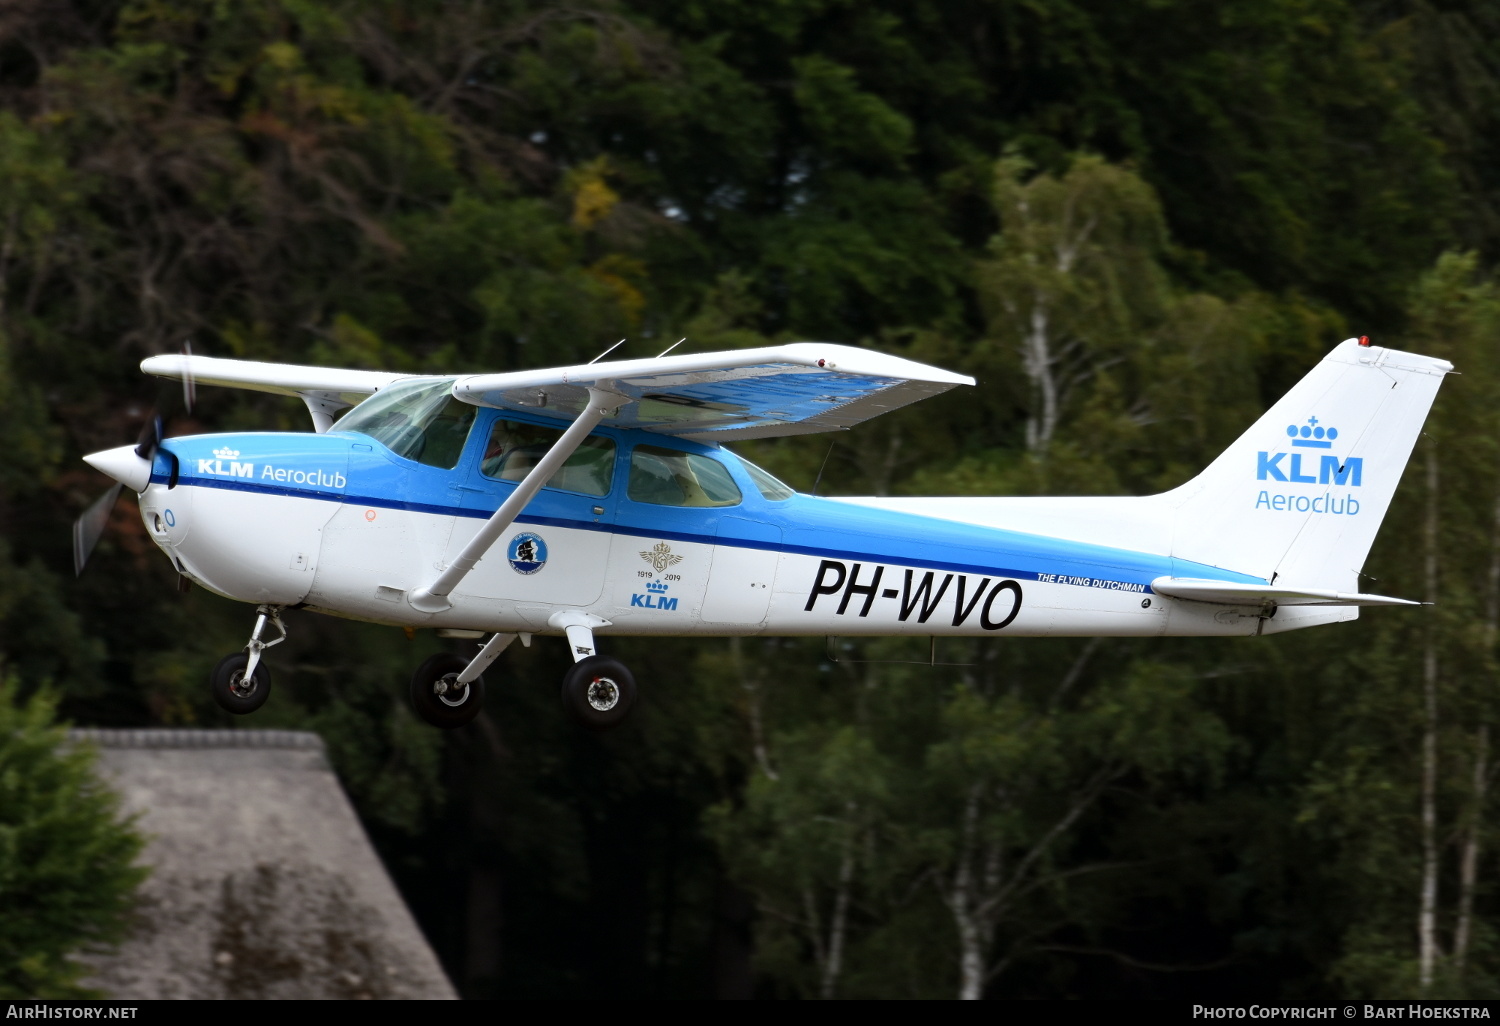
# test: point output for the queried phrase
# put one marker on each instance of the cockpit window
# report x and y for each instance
(514, 448)
(666, 477)
(419, 420)
(770, 487)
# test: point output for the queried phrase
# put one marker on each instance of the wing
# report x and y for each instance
(1225, 593)
(325, 390)
(801, 388)
(347, 387)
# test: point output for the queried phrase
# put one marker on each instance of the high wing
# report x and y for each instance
(325, 390)
(280, 378)
(800, 388)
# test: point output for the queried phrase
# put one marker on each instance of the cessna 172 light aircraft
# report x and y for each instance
(597, 500)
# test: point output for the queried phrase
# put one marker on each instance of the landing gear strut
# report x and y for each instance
(241, 683)
(598, 691)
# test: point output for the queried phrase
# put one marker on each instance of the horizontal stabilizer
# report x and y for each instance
(1225, 593)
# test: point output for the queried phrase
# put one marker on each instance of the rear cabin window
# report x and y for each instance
(771, 488)
(419, 420)
(515, 447)
(666, 477)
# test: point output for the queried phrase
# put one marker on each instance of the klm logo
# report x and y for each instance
(218, 468)
(1330, 469)
(655, 597)
(1309, 468)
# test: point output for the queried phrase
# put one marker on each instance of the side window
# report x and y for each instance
(419, 420)
(514, 448)
(666, 477)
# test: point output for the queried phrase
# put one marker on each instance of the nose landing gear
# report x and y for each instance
(241, 683)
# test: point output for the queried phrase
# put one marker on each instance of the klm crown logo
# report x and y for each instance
(656, 587)
(1312, 435)
(226, 454)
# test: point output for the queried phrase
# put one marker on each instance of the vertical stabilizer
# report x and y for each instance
(1299, 497)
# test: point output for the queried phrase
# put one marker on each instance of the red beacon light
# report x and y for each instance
(1364, 340)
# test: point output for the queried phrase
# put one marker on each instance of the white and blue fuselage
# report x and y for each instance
(339, 523)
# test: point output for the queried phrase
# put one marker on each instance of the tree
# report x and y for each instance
(67, 872)
(1399, 790)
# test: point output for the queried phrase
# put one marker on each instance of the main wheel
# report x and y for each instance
(437, 696)
(233, 692)
(598, 692)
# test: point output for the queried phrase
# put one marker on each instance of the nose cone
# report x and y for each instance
(122, 464)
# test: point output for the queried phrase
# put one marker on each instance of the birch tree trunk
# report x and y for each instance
(1427, 918)
(838, 929)
(965, 906)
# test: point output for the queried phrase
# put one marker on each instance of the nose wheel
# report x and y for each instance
(241, 683)
(237, 691)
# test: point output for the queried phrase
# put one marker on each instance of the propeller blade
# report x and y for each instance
(150, 438)
(90, 526)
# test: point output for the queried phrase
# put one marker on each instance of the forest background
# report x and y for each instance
(1136, 223)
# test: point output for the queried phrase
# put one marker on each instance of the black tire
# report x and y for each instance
(599, 692)
(442, 710)
(231, 690)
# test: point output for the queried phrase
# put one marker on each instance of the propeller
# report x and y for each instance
(89, 527)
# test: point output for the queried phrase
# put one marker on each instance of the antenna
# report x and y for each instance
(671, 347)
(819, 478)
(611, 349)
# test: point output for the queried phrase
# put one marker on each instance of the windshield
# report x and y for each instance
(419, 420)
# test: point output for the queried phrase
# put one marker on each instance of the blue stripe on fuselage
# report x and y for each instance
(867, 536)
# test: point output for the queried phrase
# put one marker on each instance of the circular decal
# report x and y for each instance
(169, 518)
(527, 553)
(369, 514)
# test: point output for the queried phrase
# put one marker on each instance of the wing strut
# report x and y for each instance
(434, 597)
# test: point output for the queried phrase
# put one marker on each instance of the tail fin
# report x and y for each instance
(1298, 498)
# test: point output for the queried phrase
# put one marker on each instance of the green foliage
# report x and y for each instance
(67, 879)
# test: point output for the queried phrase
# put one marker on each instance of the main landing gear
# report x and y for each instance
(448, 691)
(597, 691)
(241, 683)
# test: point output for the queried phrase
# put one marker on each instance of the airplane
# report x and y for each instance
(599, 500)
